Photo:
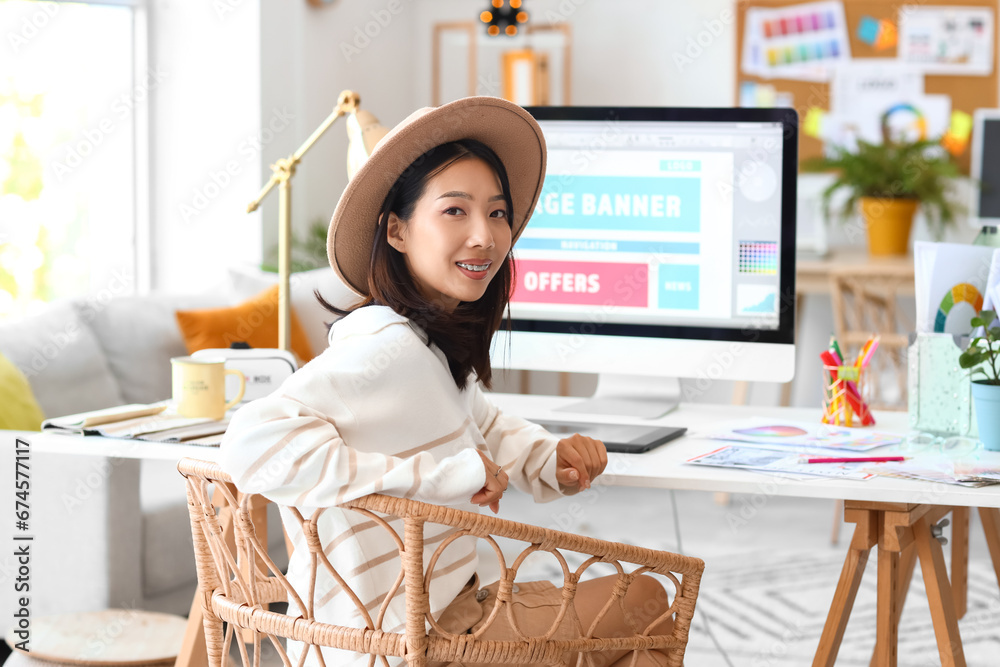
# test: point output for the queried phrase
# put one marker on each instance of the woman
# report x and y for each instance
(423, 232)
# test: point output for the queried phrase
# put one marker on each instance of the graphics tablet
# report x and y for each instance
(623, 438)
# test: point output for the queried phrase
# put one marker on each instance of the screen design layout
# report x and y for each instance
(653, 222)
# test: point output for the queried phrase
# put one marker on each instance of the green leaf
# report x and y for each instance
(970, 359)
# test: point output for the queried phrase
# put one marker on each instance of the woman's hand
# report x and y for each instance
(496, 484)
(579, 460)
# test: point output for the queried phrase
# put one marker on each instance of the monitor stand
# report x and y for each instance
(988, 237)
(630, 396)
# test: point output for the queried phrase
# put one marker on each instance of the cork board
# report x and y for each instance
(967, 93)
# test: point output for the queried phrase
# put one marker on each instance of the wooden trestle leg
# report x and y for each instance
(902, 533)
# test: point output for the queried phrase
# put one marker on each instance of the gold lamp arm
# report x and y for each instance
(348, 102)
(281, 174)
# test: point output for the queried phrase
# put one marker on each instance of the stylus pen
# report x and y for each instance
(860, 459)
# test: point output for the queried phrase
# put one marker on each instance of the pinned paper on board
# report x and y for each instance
(802, 42)
(812, 125)
(875, 97)
(956, 139)
(947, 40)
(878, 116)
(861, 78)
(764, 95)
(878, 33)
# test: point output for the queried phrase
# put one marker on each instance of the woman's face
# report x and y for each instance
(458, 235)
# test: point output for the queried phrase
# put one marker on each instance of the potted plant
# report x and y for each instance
(889, 180)
(985, 360)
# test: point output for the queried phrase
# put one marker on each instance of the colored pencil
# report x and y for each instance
(859, 459)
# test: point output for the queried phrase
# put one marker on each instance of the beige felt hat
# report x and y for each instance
(503, 126)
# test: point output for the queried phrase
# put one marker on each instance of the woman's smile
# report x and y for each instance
(474, 268)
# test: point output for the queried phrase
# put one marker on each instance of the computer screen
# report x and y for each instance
(985, 168)
(662, 244)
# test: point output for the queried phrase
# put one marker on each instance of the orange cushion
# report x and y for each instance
(255, 321)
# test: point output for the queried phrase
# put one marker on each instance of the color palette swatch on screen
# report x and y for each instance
(759, 257)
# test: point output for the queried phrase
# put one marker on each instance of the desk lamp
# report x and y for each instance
(363, 132)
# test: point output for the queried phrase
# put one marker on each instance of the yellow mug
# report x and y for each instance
(199, 387)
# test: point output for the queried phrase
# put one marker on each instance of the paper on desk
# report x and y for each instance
(941, 471)
(950, 281)
(84, 421)
(189, 433)
(778, 462)
(806, 436)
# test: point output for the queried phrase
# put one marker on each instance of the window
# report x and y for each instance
(72, 114)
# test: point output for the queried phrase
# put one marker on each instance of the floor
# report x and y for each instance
(770, 574)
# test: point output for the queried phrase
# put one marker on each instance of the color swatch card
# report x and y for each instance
(803, 41)
(950, 283)
(770, 434)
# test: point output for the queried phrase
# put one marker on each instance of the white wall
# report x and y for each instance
(309, 55)
(205, 124)
(625, 52)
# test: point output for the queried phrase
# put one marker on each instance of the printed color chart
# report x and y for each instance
(759, 257)
(801, 41)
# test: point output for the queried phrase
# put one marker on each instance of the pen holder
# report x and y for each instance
(845, 399)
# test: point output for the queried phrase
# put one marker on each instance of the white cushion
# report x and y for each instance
(246, 281)
(139, 334)
(62, 359)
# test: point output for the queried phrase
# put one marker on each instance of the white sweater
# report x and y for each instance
(378, 412)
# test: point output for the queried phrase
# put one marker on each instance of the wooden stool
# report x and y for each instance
(112, 637)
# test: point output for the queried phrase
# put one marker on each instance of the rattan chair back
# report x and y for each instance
(237, 581)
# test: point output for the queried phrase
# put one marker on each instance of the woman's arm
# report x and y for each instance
(536, 460)
(526, 451)
(293, 454)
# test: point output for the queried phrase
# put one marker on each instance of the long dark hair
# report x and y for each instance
(464, 334)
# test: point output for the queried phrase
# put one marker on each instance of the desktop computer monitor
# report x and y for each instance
(662, 247)
(985, 169)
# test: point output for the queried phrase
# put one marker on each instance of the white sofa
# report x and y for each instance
(115, 532)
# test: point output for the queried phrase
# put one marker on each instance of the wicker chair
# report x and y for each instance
(238, 580)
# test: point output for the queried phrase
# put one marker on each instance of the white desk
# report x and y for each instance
(665, 468)
(895, 515)
(662, 468)
(54, 443)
